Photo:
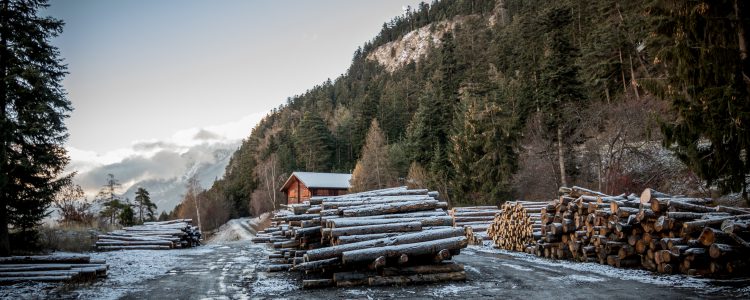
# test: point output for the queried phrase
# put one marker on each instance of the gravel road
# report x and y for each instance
(234, 270)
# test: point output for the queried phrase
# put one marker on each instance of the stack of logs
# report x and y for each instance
(152, 236)
(65, 269)
(382, 237)
(658, 232)
(517, 226)
(475, 220)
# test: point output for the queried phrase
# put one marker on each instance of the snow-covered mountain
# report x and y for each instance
(163, 173)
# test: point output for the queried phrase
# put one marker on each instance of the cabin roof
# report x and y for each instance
(320, 180)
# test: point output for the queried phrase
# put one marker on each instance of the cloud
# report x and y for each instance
(206, 135)
(165, 159)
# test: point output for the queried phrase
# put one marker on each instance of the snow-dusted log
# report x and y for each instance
(414, 249)
(408, 238)
(402, 207)
(46, 259)
(426, 221)
(380, 228)
(417, 278)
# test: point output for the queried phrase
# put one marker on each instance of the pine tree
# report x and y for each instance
(110, 202)
(314, 143)
(144, 204)
(560, 87)
(373, 170)
(702, 46)
(32, 109)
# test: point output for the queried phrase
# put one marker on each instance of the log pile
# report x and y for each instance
(152, 236)
(517, 226)
(654, 231)
(67, 269)
(382, 237)
(476, 220)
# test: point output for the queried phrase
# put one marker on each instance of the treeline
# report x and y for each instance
(594, 93)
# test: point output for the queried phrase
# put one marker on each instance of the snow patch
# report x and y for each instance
(450, 290)
(517, 267)
(472, 269)
(578, 278)
(271, 285)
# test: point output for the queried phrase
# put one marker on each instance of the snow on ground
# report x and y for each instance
(452, 289)
(241, 229)
(127, 268)
(642, 276)
(265, 284)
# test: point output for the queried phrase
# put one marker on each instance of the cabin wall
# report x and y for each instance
(297, 192)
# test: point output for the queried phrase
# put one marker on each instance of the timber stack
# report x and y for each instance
(163, 235)
(382, 237)
(476, 220)
(65, 269)
(517, 226)
(654, 231)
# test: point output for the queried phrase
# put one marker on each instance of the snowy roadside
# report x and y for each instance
(127, 269)
(609, 273)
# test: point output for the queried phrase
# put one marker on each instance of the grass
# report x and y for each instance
(70, 238)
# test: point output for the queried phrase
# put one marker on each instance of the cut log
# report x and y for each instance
(51, 259)
(415, 249)
(411, 206)
(380, 228)
(418, 278)
(426, 221)
(722, 250)
(279, 267)
(317, 283)
(14, 280)
(377, 263)
(409, 238)
(319, 264)
(649, 194)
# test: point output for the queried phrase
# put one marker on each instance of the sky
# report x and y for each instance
(161, 70)
(163, 88)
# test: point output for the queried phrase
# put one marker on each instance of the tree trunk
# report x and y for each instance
(561, 156)
(4, 235)
(743, 52)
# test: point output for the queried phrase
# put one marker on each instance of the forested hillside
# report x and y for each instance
(513, 98)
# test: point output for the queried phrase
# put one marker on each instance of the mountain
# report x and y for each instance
(493, 100)
(164, 173)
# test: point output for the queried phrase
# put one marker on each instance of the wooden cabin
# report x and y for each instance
(302, 185)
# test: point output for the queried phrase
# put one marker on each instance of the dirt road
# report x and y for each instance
(234, 270)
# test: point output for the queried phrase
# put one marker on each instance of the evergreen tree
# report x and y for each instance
(313, 143)
(703, 49)
(144, 204)
(110, 202)
(126, 216)
(32, 109)
(560, 87)
(373, 170)
(163, 216)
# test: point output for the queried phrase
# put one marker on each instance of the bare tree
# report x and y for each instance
(191, 195)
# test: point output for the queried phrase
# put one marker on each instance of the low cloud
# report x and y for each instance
(205, 135)
(187, 151)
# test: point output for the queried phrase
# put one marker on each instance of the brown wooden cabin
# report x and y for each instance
(302, 185)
